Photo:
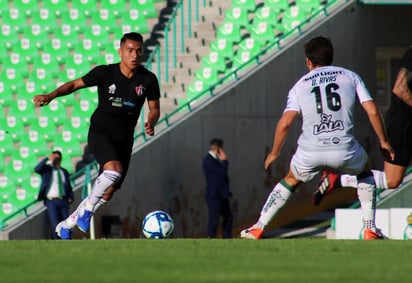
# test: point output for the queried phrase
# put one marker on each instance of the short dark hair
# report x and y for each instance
(57, 152)
(131, 36)
(216, 142)
(319, 51)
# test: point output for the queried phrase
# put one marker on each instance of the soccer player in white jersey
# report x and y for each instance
(325, 99)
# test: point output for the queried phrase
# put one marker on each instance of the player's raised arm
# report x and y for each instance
(64, 89)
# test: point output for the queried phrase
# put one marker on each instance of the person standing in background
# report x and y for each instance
(55, 190)
(217, 193)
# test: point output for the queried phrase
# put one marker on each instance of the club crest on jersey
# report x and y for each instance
(112, 89)
(327, 125)
(139, 90)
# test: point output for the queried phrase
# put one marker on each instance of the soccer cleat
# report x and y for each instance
(83, 221)
(369, 234)
(62, 232)
(326, 185)
(253, 233)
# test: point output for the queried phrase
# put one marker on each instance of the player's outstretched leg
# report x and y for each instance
(327, 184)
(253, 233)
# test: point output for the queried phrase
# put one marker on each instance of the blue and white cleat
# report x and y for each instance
(62, 232)
(83, 221)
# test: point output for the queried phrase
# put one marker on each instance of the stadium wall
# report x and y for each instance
(166, 172)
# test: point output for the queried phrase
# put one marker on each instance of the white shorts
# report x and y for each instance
(307, 164)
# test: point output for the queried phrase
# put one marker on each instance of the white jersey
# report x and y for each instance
(325, 97)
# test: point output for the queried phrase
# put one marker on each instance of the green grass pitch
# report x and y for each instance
(204, 260)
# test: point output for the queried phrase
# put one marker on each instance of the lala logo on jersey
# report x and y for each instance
(139, 90)
(327, 125)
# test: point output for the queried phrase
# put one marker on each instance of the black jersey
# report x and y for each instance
(120, 99)
(397, 106)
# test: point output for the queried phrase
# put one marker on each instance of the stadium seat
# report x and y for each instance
(36, 142)
(293, 17)
(230, 32)
(133, 21)
(6, 97)
(67, 143)
(89, 97)
(267, 14)
(74, 19)
(78, 127)
(64, 36)
(102, 21)
(75, 66)
(14, 19)
(35, 35)
(115, 7)
(55, 6)
(56, 111)
(263, 32)
(97, 35)
(17, 170)
(83, 109)
(27, 7)
(85, 7)
(147, 7)
(248, 5)
(23, 110)
(208, 75)
(45, 126)
(195, 88)
(6, 184)
(243, 59)
(47, 64)
(22, 198)
(237, 16)
(87, 50)
(26, 155)
(277, 5)
(309, 6)
(6, 141)
(56, 50)
(14, 127)
(250, 44)
(8, 37)
(32, 183)
(44, 18)
(214, 60)
(222, 46)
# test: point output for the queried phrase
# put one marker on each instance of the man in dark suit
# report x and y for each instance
(217, 193)
(55, 190)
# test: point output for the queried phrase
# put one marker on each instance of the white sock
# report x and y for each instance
(276, 200)
(367, 199)
(105, 180)
(99, 204)
(380, 179)
(71, 221)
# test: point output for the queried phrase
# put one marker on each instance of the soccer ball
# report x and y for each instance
(157, 225)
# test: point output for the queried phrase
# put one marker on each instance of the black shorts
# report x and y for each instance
(105, 147)
(399, 128)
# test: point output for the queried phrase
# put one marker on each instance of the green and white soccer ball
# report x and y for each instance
(157, 225)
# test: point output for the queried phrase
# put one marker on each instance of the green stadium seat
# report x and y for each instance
(147, 7)
(115, 7)
(214, 60)
(44, 18)
(56, 111)
(73, 18)
(84, 7)
(6, 141)
(27, 7)
(248, 5)
(250, 44)
(17, 170)
(237, 16)
(14, 76)
(133, 21)
(36, 35)
(8, 37)
(309, 6)
(97, 35)
(230, 32)
(208, 75)
(263, 32)
(6, 97)
(48, 64)
(267, 14)
(36, 142)
(83, 109)
(89, 97)
(32, 183)
(56, 50)
(14, 19)
(22, 198)
(277, 5)
(67, 143)
(195, 88)
(222, 46)
(78, 127)
(293, 17)
(26, 155)
(65, 36)
(45, 126)
(241, 58)
(6, 184)
(87, 50)
(55, 6)
(14, 127)
(102, 21)
(22, 109)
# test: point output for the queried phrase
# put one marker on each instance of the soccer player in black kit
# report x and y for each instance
(123, 88)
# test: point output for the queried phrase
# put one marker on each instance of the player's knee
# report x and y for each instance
(393, 183)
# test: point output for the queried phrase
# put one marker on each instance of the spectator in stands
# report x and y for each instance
(325, 98)
(123, 88)
(399, 126)
(217, 193)
(55, 190)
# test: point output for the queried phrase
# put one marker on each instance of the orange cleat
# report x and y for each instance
(369, 234)
(253, 233)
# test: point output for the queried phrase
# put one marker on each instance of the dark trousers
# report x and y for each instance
(217, 208)
(58, 210)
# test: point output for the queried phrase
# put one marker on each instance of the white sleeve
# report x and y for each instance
(292, 103)
(361, 90)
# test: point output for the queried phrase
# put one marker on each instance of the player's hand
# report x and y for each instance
(149, 128)
(269, 159)
(41, 100)
(387, 151)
